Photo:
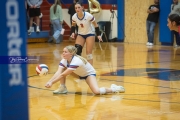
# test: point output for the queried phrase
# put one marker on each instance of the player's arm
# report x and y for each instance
(63, 75)
(58, 76)
(73, 23)
(95, 24)
(73, 29)
(58, 72)
(97, 30)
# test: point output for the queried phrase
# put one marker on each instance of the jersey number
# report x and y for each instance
(81, 25)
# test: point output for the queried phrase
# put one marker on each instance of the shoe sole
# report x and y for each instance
(60, 92)
(122, 91)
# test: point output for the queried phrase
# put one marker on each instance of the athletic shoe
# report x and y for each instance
(31, 29)
(150, 44)
(147, 43)
(116, 88)
(37, 30)
(29, 32)
(61, 90)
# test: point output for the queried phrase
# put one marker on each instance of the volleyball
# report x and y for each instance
(42, 69)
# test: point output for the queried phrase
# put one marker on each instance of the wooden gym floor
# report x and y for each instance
(150, 75)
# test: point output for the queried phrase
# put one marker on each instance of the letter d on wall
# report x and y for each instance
(13, 77)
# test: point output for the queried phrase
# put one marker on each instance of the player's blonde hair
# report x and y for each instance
(73, 50)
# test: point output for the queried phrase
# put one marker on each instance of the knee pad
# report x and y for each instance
(79, 49)
(89, 57)
(102, 90)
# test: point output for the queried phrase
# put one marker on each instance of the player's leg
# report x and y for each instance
(89, 47)
(62, 88)
(80, 41)
(92, 82)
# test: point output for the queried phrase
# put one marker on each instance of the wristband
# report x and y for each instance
(72, 29)
(97, 31)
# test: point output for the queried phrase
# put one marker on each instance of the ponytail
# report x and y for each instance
(83, 59)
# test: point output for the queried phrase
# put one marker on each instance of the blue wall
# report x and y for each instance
(165, 36)
(120, 20)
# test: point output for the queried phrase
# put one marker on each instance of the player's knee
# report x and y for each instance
(79, 49)
(102, 90)
(89, 57)
(96, 92)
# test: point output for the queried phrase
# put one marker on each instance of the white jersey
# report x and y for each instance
(84, 25)
(79, 67)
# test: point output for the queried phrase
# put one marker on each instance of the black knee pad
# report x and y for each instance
(79, 49)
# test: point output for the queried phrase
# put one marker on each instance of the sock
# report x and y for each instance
(63, 85)
(113, 90)
(31, 28)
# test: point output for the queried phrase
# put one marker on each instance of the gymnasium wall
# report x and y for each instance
(135, 21)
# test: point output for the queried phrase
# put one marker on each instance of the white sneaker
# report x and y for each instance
(31, 29)
(150, 44)
(116, 88)
(61, 90)
(29, 32)
(37, 29)
(147, 43)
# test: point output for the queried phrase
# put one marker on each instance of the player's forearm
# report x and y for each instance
(58, 78)
(55, 76)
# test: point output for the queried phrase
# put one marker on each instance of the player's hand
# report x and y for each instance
(73, 35)
(48, 84)
(99, 38)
